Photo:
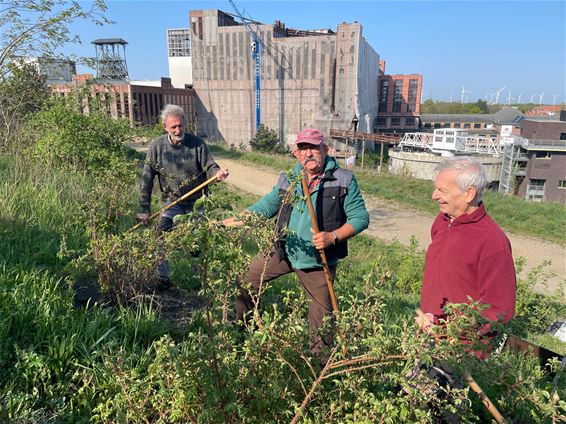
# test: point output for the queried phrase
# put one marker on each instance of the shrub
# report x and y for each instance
(266, 140)
(62, 136)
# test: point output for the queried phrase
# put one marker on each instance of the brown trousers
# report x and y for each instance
(312, 280)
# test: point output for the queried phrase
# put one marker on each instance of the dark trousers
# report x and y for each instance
(312, 280)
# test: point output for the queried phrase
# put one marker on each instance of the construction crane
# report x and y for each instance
(255, 46)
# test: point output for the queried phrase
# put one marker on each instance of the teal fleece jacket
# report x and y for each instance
(299, 230)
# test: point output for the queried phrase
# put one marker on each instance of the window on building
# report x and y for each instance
(477, 126)
(457, 125)
(200, 31)
(179, 42)
(409, 121)
(535, 190)
(562, 136)
(446, 125)
(562, 184)
(412, 97)
(437, 125)
(384, 85)
(428, 125)
(543, 154)
(467, 126)
(397, 95)
(118, 105)
(380, 122)
(126, 105)
(395, 122)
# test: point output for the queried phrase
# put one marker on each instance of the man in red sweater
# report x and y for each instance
(469, 254)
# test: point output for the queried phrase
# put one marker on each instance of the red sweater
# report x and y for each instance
(469, 257)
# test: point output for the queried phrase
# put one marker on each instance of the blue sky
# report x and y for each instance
(481, 45)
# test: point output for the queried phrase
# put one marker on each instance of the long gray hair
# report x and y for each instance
(470, 173)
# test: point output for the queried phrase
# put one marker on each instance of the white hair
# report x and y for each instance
(470, 173)
(172, 110)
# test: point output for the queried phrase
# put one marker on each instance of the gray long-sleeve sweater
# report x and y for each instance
(179, 168)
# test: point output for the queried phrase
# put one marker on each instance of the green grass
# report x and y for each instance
(546, 221)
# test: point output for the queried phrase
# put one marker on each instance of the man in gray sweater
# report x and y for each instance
(181, 161)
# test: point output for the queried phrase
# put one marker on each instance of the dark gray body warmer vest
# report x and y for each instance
(329, 208)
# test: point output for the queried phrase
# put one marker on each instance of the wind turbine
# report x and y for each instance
(532, 98)
(464, 92)
(497, 94)
(509, 98)
(519, 99)
(554, 96)
(540, 98)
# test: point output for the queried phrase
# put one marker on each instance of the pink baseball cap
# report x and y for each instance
(310, 136)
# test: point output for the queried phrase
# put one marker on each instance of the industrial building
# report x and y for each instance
(399, 102)
(299, 78)
(545, 171)
(56, 71)
(531, 165)
(475, 123)
(179, 57)
(140, 102)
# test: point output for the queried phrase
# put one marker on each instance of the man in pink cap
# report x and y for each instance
(341, 214)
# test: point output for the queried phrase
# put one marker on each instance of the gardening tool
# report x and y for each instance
(321, 251)
(476, 388)
(183, 197)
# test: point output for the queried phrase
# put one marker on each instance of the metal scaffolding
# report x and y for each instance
(111, 59)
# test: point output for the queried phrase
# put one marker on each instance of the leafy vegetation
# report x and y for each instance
(266, 140)
(481, 106)
(130, 356)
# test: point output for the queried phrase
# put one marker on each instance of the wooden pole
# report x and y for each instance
(485, 400)
(183, 197)
(363, 152)
(322, 255)
(381, 157)
(321, 251)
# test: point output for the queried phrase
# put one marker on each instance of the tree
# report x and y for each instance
(266, 140)
(23, 92)
(40, 27)
(33, 28)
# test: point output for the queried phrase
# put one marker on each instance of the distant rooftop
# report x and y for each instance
(508, 115)
(109, 41)
(504, 116)
(456, 117)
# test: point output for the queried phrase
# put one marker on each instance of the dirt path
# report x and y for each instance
(389, 221)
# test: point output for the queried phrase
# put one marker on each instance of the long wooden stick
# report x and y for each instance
(321, 251)
(183, 197)
(476, 388)
(483, 397)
